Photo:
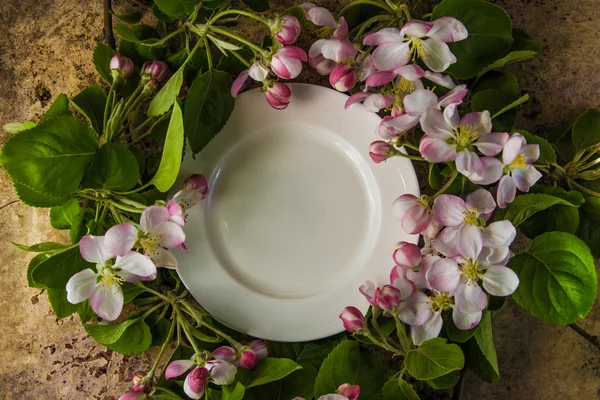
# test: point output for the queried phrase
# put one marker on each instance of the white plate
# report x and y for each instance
(298, 216)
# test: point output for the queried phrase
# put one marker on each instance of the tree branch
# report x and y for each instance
(109, 37)
(590, 338)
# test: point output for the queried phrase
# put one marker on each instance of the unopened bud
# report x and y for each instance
(353, 319)
(157, 70)
(121, 66)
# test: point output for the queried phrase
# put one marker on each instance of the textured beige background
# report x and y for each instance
(46, 45)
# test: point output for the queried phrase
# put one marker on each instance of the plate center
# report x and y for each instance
(292, 210)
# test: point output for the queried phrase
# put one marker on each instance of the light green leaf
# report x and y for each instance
(557, 276)
(16, 127)
(35, 261)
(526, 205)
(60, 305)
(433, 359)
(172, 153)
(395, 389)
(523, 47)
(165, 98)
(207, 108)
(490, 34)
(136, 34)
(52, 157)
(445, 381)
(101, 58)
(44, 247)
(267, 370)
(589, 226)
(586, 130)
(130, 337)
(60, 108)
(512, 105)
(176, 8)
(547, 153)
(62, 217)
(233, 392)
(130, 18)
(56, 271)
(223, 45)
(91, 103)
(435, 177)
(113, 167)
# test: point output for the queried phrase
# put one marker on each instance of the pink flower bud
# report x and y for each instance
(350, 391)
(157, 70)
(343, 77)
(381, 151)
(123, 65)
(287, 62)
(407, 255)
(353, 319)
(248, 359)
(278, 95)
(224, 353)
(387, 297)
(260, 348)
(197, 182)
(289, 30)
(132, 396)
(138, 382)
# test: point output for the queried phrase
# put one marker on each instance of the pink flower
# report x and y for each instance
(414, 213)
(278, 95)
(103, 287)
(121, 65)
(289, 30)
(194, 189)
(260, 348)
(248, 359)
(409, 274)
(219, 372)
(367, 289)
(517, 158)
(352, 319)
(468, 218)
(381, 151)
(343, 77)
(155, 70)
(140, 382)
(350, 391)
(451, 138)
(132, 396)
(225, 353)
(159, 233)
(373, 102)
(387, 297)
(287, 62)
(426, 40)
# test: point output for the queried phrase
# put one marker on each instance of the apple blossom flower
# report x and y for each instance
(250, 355)
(517, 157)
(219, 372)
(343, 77)
(288, 30)
(451, 138)
(287, 62)
(225, 353)
(159, 233)
(155, 70)
(194, 189)
(411, 268)
(379, 151)
(258, 71)
(121, 66)
(132, 396)
(103, 286)
(140, 382)
(387, 297)
(373, 102)
(469, 218)
(248, 359)
(414, 213)
(367, 289)
(352, 319)
(350, 391)
(260, 348)
(278, 95)
(426, 40)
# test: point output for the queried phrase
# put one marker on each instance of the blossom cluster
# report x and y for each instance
(344, 392)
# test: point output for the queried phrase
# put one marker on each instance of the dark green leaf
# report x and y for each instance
(166, 394)
(140, 157)
(85, 311)
(176, 8)
(547, 154)
(526, 205)
(490, 34)
(35, 261)
(44, 247)
(307, 352)
(34, 198)
(60, 108)
(59, 268)
(523, 47)
(101, 57)
(589, 226)
(130, 18)
(165, 98)
(433, 359)
(555, 133)
(267, 370)
(495, 101)
(395, 389)
(233, 392)
(257, 5)
(91, 103)
(484, 364)
(172, 153)
(356, 13)
(60, 305)
(130, 337)
(455, 334)
(80, 225)
(445, 381)
(159, 328)
(62, 217)
(586, 130)
(232, 65)
(435, 176)
(496, 303)
(130, 292)
(503, 81)
(557, 277)
(207, 108)
(142, 43)
(114, 167)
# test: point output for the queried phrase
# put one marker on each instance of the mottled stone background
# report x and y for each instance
(46, 48)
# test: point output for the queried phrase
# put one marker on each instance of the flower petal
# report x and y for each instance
(221, 372)
(448, 209)
(389, 56)
(469, 298)
(342, 29)
(194, 383)
(338, 49)
(119, 239)
(380, 78)
(93, 250)
(177, 368)
(494, 256)
(435, 125)
(447, 30)
(416, 28)
(377, 101)
(135, 267)
(391, 127)
(407, 255)
(239, 82)
(436, 150)
(163, 258)
(482, 200)
(187, 198)
(153, 216)
(454, 96)
(445, 241)
(415, 310)
(444, 275)
(410, 72)
(355, 98)
(431, 329)
(437, 55)
(469, 241)
(498, 234)
(442, 80)
(170, 233)
(333, 396)
(492, 143)
(416, 219)
(512, 148)
(531, 153)
(406, 287)
(107, 300)
(499, 280)
(402, 204)
(81, 286)
(478, 121)
(382, 36)
(419, 101)
(492, 171)
(320, 16)
(466, 321)
(525, 177)
(258, 72)
(506, 191)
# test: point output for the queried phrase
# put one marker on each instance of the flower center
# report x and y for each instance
(472, 270)
(519, 162)
(465, 135)
(405, 86)
(439, 302)
(471, 217)
(417, 49)
(324, 32)
(150, 243)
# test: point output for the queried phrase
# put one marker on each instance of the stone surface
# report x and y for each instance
(45, 49)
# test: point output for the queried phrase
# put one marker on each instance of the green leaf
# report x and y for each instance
(62, 217)
(522, 49)
(16, 127)
(113, 167)
(299, 383)
(547, 153)
(130, 292)
(34, 198)
(130, 18)
(35, 261)
(267, 370)
(348, 364)
(176, 8)
(91, 103)
(395, 389)
(60, 108)
(512, 105)
(60, 305)
(589, 225)
(56, 271)
(52, 157)
(85, 311)
(498, 80)
(159, 328)
(434, 177)
(497, 102)
(455, 334)
(490, 34)
(257, 5)
(482, 360)
(557, 277)
(232, 65)
(526, 205)
(586, 130)
(130, 337)
(233, 392)
(433, 359)
(80, 225)
(207, 108)
(165, 98)
(141, 43)
(496, 303)
(137, 34)
(172, 153)
(356, 12)
(44, 247)
(166, 394)
(445, 381)
(307, 352)
(101, 58)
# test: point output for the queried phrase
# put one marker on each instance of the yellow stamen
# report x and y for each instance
(405, 86)
(324, 32)
(439, 302)
(465, 135)
(471, 217)
(472, 270)
(417, 49)
(519, 162)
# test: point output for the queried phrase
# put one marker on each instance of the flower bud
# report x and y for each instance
(353, 319)
(260, 348)
(343, 77)
(278, 95)
(287, 62)
(387, 297)
(140, 382)
(224, 353)
(122, 65)
(132, 396)
(289, 30)
(350, 391)
(197, 182)
(157, 70)
(248, 359)
(381, 151)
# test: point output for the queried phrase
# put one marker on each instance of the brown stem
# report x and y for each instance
(590, 338)
(9, 203)
(109, 37)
